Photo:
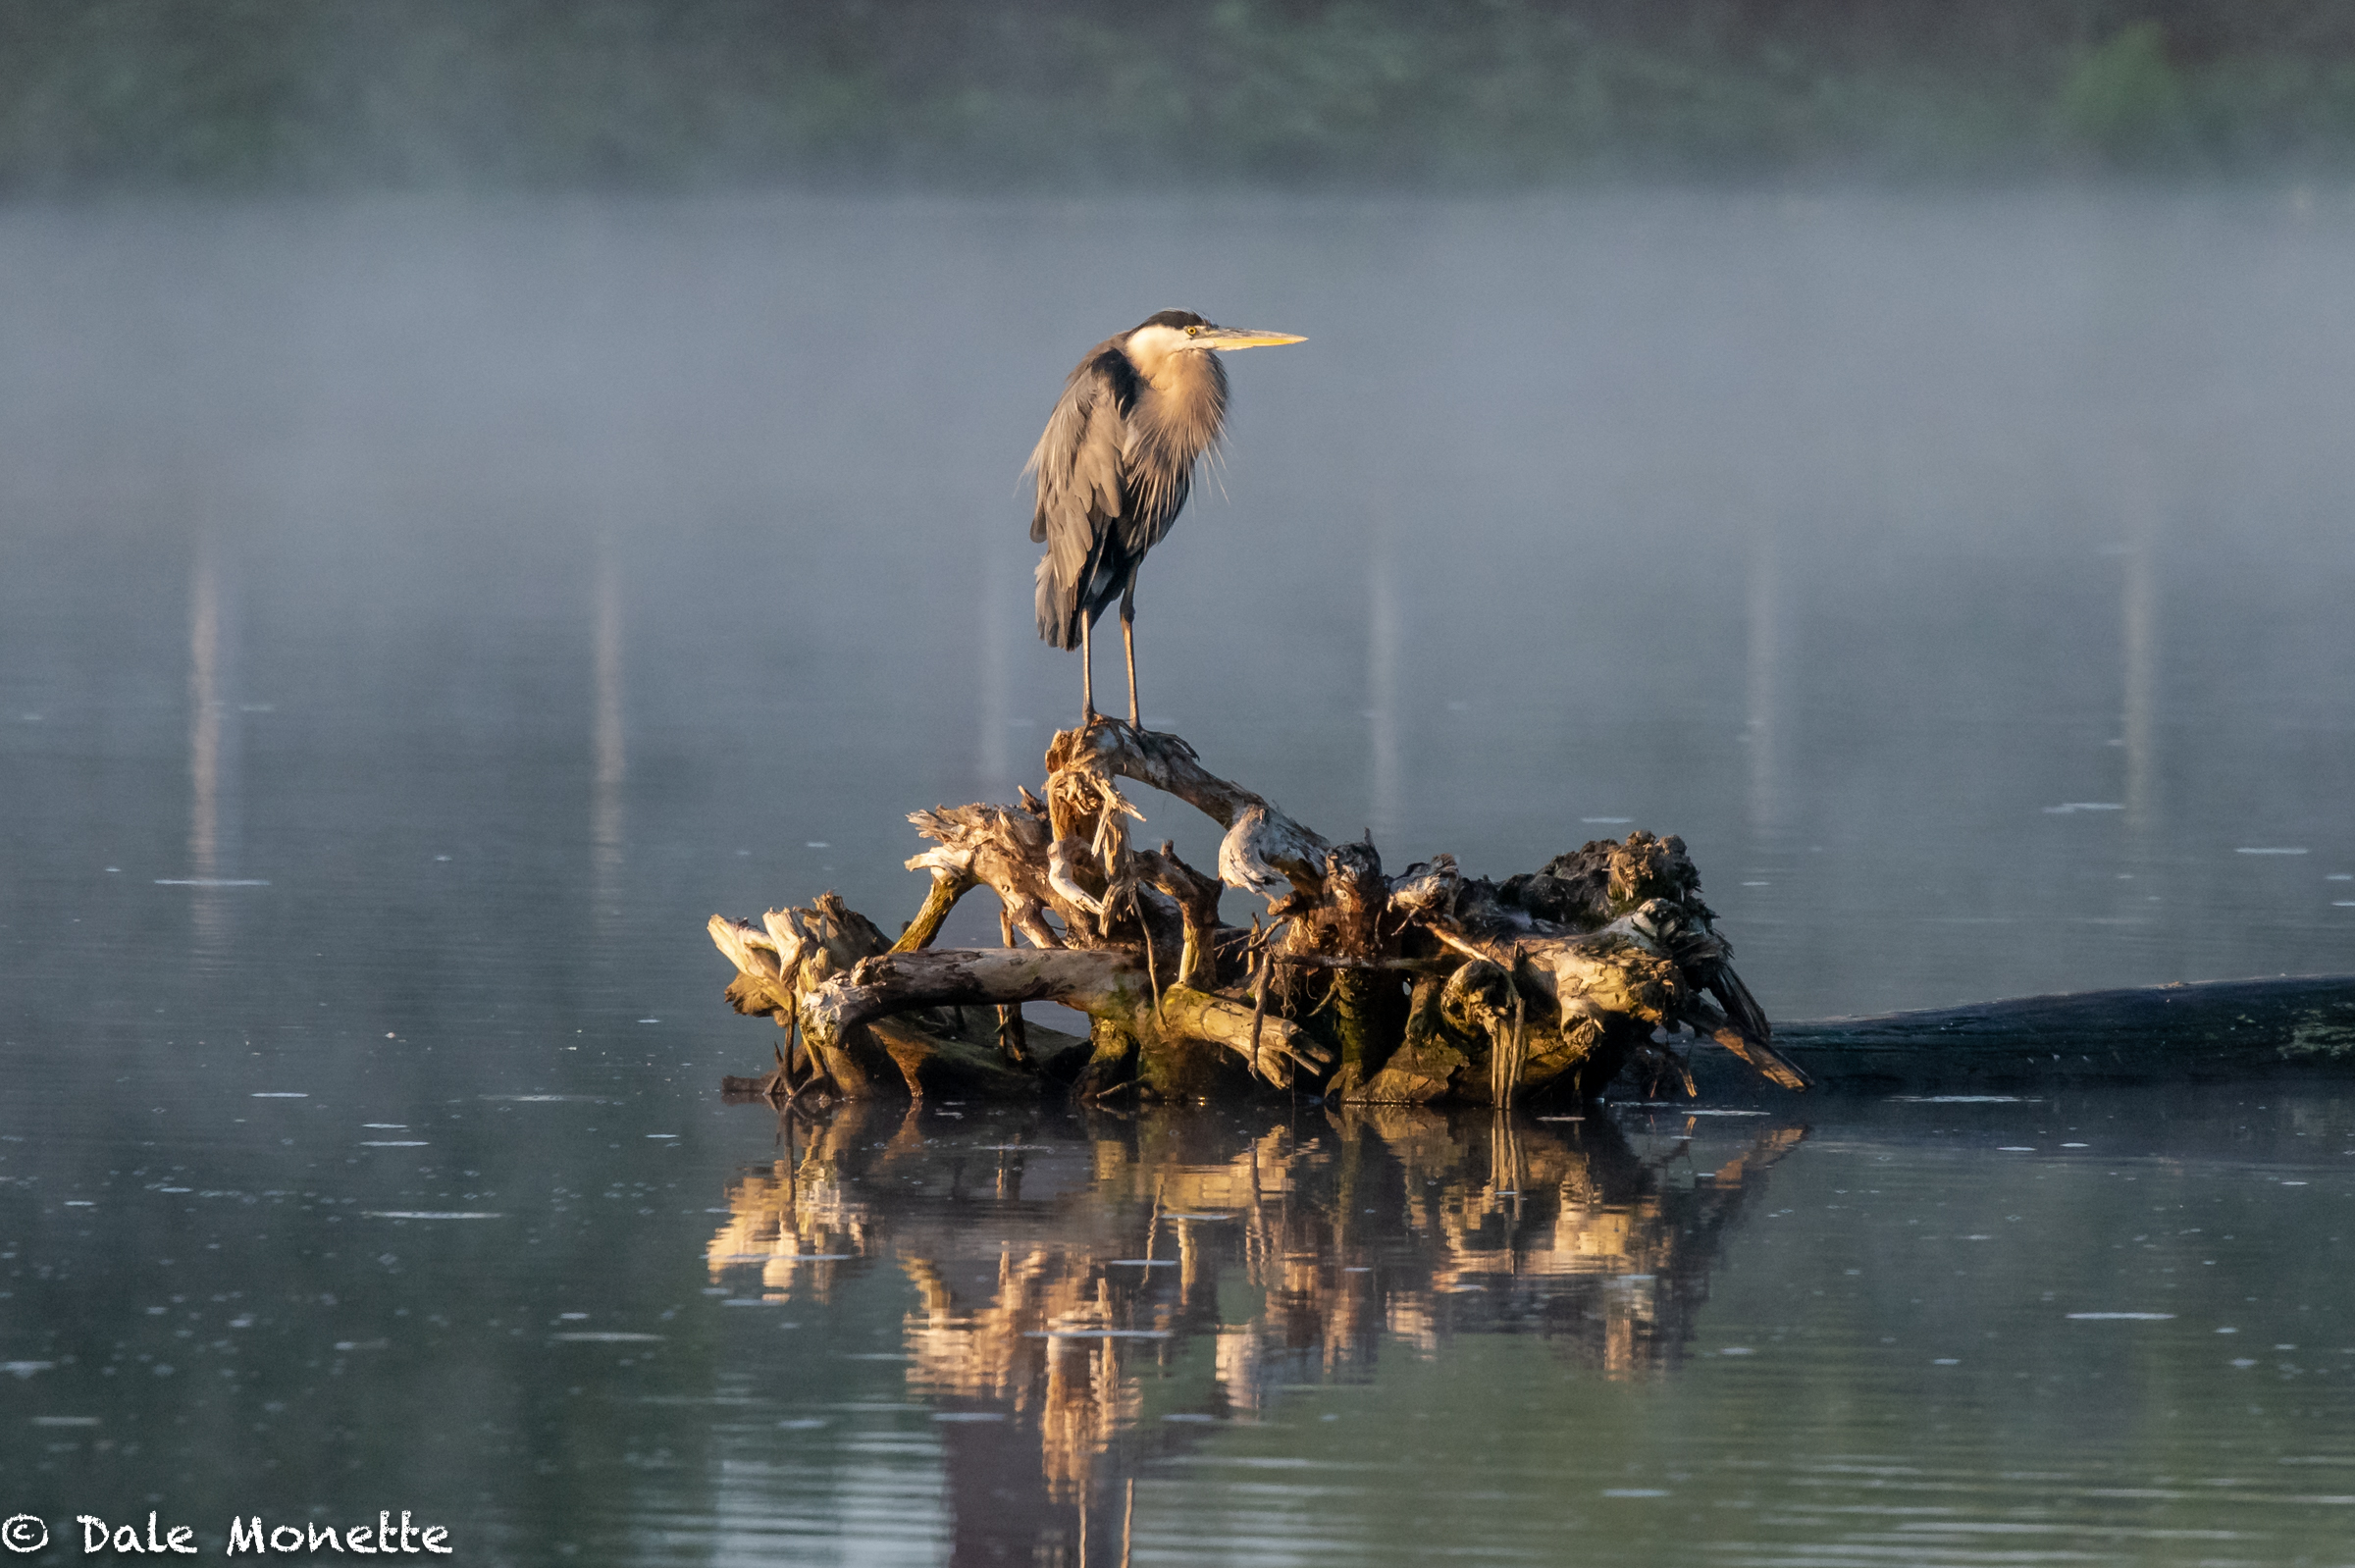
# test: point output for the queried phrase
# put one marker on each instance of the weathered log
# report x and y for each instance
(1107, 984)
(2181, 1034)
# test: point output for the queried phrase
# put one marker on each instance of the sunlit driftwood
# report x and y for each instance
(1550, 982)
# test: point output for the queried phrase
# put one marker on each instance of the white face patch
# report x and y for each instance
(1148, 346)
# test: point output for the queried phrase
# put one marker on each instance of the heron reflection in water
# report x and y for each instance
(1062, 1268)
(1115, 467)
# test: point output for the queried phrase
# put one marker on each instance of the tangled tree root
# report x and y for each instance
(1426, 987)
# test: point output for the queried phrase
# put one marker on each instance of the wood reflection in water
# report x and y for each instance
(609, 741)
(1117, 1287)
(215, 761)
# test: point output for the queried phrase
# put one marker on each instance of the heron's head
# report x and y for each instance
(1179, 332)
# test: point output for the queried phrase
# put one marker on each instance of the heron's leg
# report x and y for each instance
(1128, 642)
(1088, 674)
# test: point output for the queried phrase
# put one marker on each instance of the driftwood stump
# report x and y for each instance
(1428, 987)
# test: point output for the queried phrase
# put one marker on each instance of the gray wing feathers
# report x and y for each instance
(1078, 462)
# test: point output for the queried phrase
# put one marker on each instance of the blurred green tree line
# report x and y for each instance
(1062, 93)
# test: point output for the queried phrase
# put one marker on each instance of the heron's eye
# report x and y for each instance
(1192, 331)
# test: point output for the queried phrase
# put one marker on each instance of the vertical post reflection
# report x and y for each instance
(2140, 638)
(994, 757)
(204, 714)
(212, 735)
(609, 741)
(1765, 656)
(2138, 285)
(1383, 631)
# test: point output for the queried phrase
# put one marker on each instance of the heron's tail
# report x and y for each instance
(1058, 607)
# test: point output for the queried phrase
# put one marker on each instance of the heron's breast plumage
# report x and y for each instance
(1175, 419)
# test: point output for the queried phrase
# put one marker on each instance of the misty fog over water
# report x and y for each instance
(1847, 538)
(418, 616)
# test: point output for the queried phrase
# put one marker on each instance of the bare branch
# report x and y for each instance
(1264, 850)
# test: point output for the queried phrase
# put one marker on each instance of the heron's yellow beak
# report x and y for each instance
(1225, 338)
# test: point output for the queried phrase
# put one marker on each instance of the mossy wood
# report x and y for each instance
(1429, 986)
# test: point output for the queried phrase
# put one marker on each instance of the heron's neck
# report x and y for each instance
(1183, 403)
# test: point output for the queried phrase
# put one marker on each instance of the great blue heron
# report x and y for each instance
(1115, 467)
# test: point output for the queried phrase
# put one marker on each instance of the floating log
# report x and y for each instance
(1426, 987)
(2181, 1034)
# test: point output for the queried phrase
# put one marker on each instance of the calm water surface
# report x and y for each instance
(415, 619)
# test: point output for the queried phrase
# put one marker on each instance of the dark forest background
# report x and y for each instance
(940, 93)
